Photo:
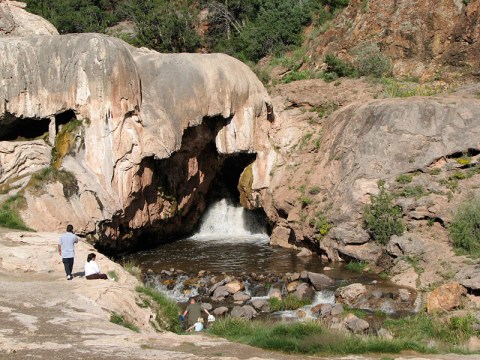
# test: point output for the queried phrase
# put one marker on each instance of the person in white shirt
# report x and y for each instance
(91, 268)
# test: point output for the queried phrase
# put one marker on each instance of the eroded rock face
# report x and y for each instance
(151, 131)
(14, 21)
(419, 36)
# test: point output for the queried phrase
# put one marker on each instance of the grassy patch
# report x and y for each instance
(356, 266)
(416, 191)
(119, 319)
(9, 213)
(397, 88)
(306, 338)
(166, 309)
(464, 228)
(51, 175)
(424, 328)
(113, 275)
(290, 302)
(132, 269)
(404, 179)
(314, 190)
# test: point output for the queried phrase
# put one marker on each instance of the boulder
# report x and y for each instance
(469, 276)
(404, 295)
(305, 252)
(241, 296)
(294, 276)
(336, 310)
(261, 304)
(220, 293)
(207, 306)
(275, 293)
(355, 324)
(291, 287)
(244, 312)
(220, 310)
(304, 292)
(349, 294)
(446, 297)
(319, 281)
(234, 286)
(349, 233)
(407, 244)
(281, 236)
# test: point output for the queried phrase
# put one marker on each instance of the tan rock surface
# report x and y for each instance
(446, 297)
(14, 21)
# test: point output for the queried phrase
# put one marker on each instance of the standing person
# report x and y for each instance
(92, 271)
(194, 311)
(66, 249)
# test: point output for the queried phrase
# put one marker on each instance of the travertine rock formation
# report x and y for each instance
(142, 133)
(14, 21)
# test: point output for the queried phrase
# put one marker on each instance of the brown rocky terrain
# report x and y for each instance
(425, 39)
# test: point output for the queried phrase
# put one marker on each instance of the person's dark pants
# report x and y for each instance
(68, 264)
(97, 276)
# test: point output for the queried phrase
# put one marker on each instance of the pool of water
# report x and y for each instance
(237, 255)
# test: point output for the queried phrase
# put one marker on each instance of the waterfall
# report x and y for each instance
(225, 220)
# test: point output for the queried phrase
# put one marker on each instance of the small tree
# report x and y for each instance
(465, 227)
(381, 218)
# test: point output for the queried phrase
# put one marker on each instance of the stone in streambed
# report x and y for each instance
(206, 306)
(319, 281)
(261, 304)
(234, 286)
(336, 310)
(220, 293)
(244, 312)
(241, 296)
(349, 294)
(446, 297)
(304, 292)
(291, 287)
(220, 310)
(275, 293)
(356, 324)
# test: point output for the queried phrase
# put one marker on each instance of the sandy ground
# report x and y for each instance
(44, 316)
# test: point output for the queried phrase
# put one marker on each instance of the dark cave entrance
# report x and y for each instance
(225, 183)
(64, 118)
(15, 128)
(183, 186)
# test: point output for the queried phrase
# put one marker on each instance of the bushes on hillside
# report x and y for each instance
(465, 227)
(381, 218)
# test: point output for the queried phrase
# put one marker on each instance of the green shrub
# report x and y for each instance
(337, 67)
(50, 175)
(371, 62)
(315, 190)
(9, 213)
(464, 228)
(404, 179)
(321, 225)
(381, 218)
(275, 304)
(167, 309)
(416, 191)
(119, 319)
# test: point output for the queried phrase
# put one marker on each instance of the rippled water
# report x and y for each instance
(233, 255)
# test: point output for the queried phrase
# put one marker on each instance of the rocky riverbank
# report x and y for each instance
(46, 317)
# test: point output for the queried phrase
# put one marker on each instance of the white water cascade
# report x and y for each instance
(225, 220)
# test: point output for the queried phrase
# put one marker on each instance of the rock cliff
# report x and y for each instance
(421, 37)
(122, 140)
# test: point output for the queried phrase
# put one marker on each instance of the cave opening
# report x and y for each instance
(181, 189)
(64, 118)
(16, 128)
